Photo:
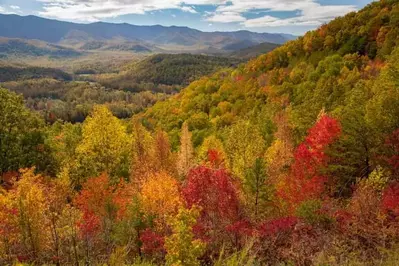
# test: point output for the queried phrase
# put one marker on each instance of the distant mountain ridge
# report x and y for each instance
(53, 31)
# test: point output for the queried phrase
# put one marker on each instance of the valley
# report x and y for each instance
(124, 73)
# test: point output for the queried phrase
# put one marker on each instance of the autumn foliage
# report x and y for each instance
(289, 159)
(216, 194)
(305, 180)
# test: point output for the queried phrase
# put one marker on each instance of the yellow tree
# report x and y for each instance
(164, 159)
(142, 163)
(280, 154)
(57, 192)
(161, 198)
(244, 145)
(31, 204)
(185, 160)
(182, 249)
(9, 233)
(104, 146)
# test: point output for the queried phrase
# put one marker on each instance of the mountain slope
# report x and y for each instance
(254, 51)
(165, 70)
(31, 27)
(14, 73)
(347, 68)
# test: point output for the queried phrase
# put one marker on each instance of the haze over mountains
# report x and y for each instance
(110, 36)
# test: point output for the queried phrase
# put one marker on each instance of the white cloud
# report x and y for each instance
(15, 7)
(189, 9)
(271, 5)
(94, 10)
(226, 17)
(6, 11)
(314, 15)
(308, 12)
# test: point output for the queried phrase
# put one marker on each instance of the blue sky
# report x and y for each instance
(286, 16)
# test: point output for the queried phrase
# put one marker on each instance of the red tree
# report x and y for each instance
(102, 206)
(390, 199)
(216, 194)
(305, 181)
(392, 144)
(151, 242)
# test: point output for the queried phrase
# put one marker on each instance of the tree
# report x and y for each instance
(165, 160)
(214, 191)
(305, 181)
(257, 191)
(143, 154)
(68, 230)
(22, 138)
(57, 191)
(130, 229)
(185, 160)
(243, 146)
(354, 153)
(160, 198)
(31, 205)
(212, 145)
(392, 153)
(104, 147)
(279, 156)
(181, 247)
(63, 138)
(9, 229)
(102, 206)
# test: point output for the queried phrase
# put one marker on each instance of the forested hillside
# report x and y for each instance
(254, 51)
(14, 73)
(290, 159)
(73, 101)
(165, 72)
(135, 86)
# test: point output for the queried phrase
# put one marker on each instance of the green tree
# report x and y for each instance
(22, 137)
(258, 192)
(354, 151)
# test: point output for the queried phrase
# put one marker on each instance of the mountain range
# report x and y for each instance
(125, 36)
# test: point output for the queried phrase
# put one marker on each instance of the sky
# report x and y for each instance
(275, 16)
